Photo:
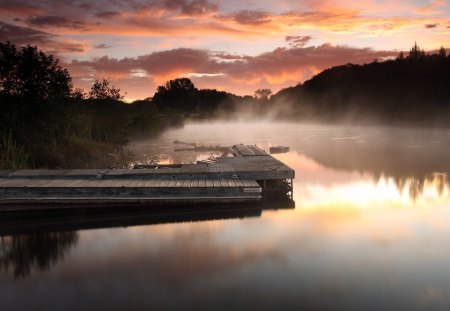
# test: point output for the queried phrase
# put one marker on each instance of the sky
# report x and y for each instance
(234, 46)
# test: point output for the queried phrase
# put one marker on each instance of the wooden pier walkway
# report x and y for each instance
(238, 179)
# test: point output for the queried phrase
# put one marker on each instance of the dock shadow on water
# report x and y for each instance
(37, 241)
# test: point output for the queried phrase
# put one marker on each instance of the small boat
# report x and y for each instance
(279, 149)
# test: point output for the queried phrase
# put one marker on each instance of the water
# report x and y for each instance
(370, 230)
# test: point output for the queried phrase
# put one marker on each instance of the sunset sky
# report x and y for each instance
(237, 46)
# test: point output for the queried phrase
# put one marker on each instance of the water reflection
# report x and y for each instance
(412, 158)
(40, 241)
(370, 231)
(129, 216)
(317, 182)
(22, 253)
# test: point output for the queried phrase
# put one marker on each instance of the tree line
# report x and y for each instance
(411, 89)
(46, 122)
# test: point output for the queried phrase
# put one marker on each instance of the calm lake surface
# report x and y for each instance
(370, 231)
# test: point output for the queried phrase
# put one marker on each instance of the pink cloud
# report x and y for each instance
(433, 7)
(298, 41)
(279, 68)
(47, 41)
(182, 26)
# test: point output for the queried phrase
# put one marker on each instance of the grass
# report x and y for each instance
(12, 155)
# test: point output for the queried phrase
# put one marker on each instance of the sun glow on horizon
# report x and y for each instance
(235, 47)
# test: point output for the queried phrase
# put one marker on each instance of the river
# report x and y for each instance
(370, 231)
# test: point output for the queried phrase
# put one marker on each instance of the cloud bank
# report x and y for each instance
(242, 74)
(229, 45)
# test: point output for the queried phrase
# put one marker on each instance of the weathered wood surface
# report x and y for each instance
(227, 179)
(248, 150)
(248, 162)
(127, 183)
(19, 193)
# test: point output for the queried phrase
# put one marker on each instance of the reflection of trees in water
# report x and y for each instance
(411, 163)
(415, 184)
(21, 253)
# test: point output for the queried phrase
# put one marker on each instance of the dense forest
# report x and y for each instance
(408, 90)
(45, 122)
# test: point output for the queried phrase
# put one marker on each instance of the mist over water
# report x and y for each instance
(370, 231)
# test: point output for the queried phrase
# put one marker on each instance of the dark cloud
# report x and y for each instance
(102, 46)
(107, 14)
(227, 56)
(286, 66)
(198, 7)
(298, 41)
(19, 7)
(55, 21)
(23, 35)
(186, 7)
(251, 17)
(161, 63)
(61, 13)
(86, 6)
(429, 26)
(57, 47)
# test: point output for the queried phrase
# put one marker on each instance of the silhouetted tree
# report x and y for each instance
(181, 84)
(263, 93)
(103, 90)
(213, 101)
(28, 72)
(179, 94)
(416, 52)
(33, 87)
(442, 52)
(78, 94)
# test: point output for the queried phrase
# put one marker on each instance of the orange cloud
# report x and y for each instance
(204, 18)
(279, 68)
(185, 29)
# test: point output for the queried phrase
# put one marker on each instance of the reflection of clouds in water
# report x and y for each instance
(311, 257)
(316, 184)
(150, 266)
(435, 298)
(370, 231)
(366, 204)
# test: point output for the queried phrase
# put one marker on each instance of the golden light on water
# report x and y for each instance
(317, 186)
(370, 194)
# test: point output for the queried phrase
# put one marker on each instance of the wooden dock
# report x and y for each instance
(243, 178)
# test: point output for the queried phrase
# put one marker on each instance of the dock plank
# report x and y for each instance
(187, 183)
(202, 183)
(179, 183)
(195, 183)
(220, 178)
(165, 182)
(209, 183)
